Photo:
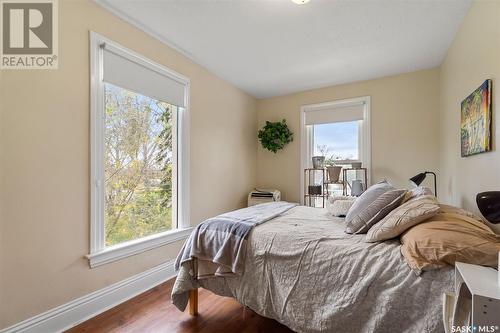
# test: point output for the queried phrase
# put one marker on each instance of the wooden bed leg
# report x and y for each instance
(193, 302)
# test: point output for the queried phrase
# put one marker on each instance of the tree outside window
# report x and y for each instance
(138, 165)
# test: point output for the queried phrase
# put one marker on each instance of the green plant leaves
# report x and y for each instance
(275, 135)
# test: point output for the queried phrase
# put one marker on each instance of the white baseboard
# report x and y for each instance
(73, 313)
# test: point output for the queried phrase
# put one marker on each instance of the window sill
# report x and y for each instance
(133, 247)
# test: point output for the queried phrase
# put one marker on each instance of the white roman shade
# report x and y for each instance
(335, 114)
(124, 70)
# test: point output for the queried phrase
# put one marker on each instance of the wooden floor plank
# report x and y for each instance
(153, 312)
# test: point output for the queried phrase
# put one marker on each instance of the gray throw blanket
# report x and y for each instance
(219, 243)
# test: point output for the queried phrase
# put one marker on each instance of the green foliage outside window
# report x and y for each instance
(138, 165)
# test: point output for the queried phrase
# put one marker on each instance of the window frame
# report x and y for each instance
(307, 135)
(99, 253)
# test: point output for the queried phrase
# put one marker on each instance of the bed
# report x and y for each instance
(304, 271)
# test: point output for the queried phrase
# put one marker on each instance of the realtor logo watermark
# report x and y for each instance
(29, 34)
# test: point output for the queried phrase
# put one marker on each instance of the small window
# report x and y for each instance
(139, 152)
(338, 142)
(339, 131)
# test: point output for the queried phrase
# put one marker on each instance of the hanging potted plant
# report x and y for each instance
(275, 135)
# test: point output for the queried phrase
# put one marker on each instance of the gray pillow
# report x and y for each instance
(369, 196)
(376, 211)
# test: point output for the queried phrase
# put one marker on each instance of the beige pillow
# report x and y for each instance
(375, 211)
(417, 192)
(460, 211)
(447, 237)
(403, 218)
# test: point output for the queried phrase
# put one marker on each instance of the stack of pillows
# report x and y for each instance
(449, 233)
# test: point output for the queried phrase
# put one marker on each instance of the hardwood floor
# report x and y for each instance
(152, 311)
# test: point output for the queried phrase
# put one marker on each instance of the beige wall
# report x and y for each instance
(473, 57)
(44, 148)
(45, 164)
(404, 129)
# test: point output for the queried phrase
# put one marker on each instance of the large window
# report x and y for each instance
(139, 153)
(339, 131)
(139, 163)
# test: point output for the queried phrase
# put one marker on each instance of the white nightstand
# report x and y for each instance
(476, 299)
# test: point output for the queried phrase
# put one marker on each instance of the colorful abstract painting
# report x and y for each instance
(475, 126)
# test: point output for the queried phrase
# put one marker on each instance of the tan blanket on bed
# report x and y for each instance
(452, 235)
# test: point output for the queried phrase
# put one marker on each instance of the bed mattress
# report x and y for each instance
(304, 271)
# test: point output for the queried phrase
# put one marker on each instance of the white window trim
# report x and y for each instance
(99, 253)
(364, 134)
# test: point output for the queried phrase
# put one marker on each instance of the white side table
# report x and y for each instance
(476, 299)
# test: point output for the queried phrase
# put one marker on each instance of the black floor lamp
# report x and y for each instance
(418, 179)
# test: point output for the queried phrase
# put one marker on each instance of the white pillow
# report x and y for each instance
(417, 192)
(339, 206)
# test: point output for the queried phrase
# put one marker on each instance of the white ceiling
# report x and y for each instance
(275, 47)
